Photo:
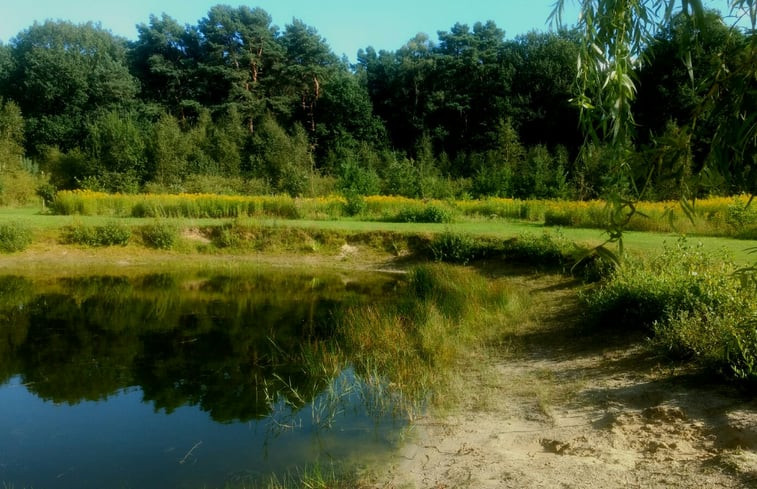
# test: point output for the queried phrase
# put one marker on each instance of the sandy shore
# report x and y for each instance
(564, 409)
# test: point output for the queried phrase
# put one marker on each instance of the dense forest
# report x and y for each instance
(235, 104)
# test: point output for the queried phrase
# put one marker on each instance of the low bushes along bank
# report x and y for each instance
(693, 305)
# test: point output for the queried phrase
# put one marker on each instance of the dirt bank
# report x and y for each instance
(561, 408)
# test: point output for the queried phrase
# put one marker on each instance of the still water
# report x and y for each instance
(187, 381)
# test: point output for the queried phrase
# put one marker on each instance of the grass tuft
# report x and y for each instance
(14, 236)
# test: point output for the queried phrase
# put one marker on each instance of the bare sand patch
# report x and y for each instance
(565, 410)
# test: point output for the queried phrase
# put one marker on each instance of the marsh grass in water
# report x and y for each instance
(416, 344)
(314, 476)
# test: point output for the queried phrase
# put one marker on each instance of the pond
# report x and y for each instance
(182, 380)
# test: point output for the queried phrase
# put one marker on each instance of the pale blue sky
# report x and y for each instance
(347, 25)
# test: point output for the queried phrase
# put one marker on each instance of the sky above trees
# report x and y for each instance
(347, 25)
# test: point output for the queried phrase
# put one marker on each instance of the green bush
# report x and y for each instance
(559, 218)
(454, 248)
(549, 249)
(692, 303)
(110, 234)
(355, 204)
(113, 233)
(681, 278)
(231, 235)
(429, 213)
(79, 234)
(161, 235)
(356, 179)
(14, 236)
(740, 216)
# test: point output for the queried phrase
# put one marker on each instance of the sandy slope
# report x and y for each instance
(571, 410)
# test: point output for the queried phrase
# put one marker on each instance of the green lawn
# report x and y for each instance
(635, 242)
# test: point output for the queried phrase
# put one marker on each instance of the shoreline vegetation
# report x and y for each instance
(470, 276)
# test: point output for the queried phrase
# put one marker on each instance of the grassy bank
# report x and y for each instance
(199, 235)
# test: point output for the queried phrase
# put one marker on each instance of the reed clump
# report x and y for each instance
(415, 343)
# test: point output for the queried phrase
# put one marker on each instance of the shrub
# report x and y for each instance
(110, 234)
(231, 235)
(547, 249)
(454, 248)
(18, 187)
(161, 235)
(356, 179)
(429, 213)
(355, 204)
(740, 216)
(681, 278)
(113, 233)
(554, 217)
(79, 234)
(14, 236)
(693, 304)
(47, 192)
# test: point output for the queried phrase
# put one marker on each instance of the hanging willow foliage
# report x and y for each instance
(615, 36)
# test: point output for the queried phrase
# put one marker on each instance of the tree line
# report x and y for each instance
(239, 102)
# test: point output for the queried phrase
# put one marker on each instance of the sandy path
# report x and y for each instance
(572, 410)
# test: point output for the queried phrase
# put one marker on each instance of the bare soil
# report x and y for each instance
(557, 406)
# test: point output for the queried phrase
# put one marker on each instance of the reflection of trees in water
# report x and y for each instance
(230, 345)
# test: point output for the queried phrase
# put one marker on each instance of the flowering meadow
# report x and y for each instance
(717, 216)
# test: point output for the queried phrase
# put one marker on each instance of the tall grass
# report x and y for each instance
(14, 236)
(714, 217)
(417, 343)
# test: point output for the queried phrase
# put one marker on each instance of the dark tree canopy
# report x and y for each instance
(468, 113)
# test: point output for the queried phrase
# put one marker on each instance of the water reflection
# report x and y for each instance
(253, 353)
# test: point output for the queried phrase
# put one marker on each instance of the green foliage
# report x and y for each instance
(692, 303)
(681, 278)
(114, 182)
(110, 234)
(740, 216)
(14, 236)
(229, 236)
(47, 192)
(113, 233)
(11, 136)
(18, 187)
(160, 234)
(169, 150)
(454, 248)
(427, 213)
(492, 180)
(355, 204)
(357, 180)
(64, 74)
(283, 158)
(401, 178)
